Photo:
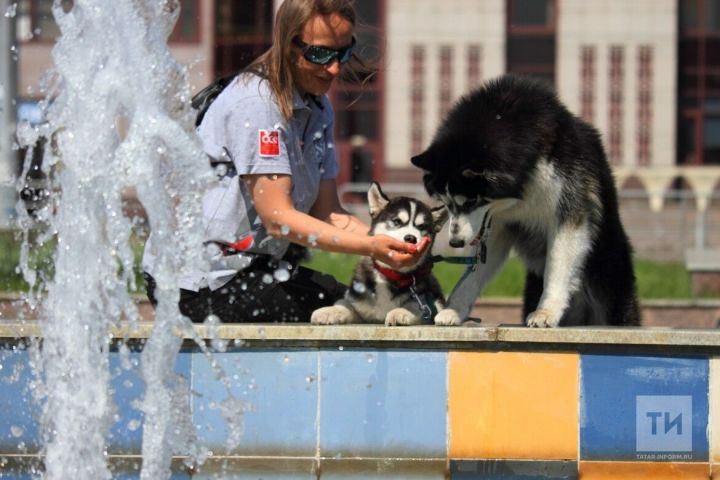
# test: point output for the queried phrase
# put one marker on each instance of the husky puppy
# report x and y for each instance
(379, 294)
(518, 171)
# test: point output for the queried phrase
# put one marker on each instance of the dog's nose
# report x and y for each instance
(457, 243)
(410, 239)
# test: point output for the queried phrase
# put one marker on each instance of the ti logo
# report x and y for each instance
(663, 423)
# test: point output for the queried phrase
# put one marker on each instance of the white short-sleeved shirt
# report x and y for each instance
(244, 129)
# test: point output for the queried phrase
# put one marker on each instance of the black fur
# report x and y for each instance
(500, 133)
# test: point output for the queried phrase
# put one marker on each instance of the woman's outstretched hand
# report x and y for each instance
(395, 253)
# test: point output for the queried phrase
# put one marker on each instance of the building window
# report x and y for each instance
(698, 82)
(35, 20)
(243, 31)
(187, 27)
(446, 79)
(616, 105)
(587, 83)
(474, 65)
(644, 104)
(531, 13)
(417, 95)
(357, 97)
(530, 43)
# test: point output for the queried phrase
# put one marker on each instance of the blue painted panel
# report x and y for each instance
(383, 403)
(513, 470)
(643, 408)
(128, 388)
(19, 412)
(277, 390)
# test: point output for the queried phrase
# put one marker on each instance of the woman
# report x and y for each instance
(270, 134)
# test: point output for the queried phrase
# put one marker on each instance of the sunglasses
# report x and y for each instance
(324, 55)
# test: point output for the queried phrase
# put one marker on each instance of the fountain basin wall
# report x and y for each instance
(355, 402)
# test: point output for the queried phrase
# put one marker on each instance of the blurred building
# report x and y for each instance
(645, 72)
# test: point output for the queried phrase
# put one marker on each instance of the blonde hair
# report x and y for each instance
(275, 65)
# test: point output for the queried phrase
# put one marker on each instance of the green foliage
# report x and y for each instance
(508, 283)
(655, 279)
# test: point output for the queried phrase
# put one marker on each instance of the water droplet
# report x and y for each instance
(370, 358)
(286, 359)
(341, 348)
(267, 279)
(247, 124)
(133, 424)
(17, 431)
(281, 275)
(261, 332)
(11, 11)
(312, 239)
(498, 117)
(284, 230)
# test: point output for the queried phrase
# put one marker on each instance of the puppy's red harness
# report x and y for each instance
(401, 279)
(408, 280)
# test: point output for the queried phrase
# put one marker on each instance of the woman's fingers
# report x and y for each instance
(399, 254)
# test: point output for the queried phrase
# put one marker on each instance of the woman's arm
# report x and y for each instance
(273, 203)
(328, 208)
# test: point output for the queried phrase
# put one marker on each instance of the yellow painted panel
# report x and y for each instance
(643, 470)
(513, 405)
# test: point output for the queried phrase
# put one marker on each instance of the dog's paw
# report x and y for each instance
(447, 317)
(334, 315)
(542, 318)
(401, 316)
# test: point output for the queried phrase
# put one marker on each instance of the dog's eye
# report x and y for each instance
(396, 221)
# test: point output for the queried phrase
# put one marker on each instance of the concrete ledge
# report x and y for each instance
(419, 336)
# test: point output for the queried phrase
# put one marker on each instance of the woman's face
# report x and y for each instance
(331, 31)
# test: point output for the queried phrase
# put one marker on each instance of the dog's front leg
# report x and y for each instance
(340, 313)
(567, 251)
(474, 280)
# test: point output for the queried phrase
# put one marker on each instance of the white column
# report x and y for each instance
(8, 90)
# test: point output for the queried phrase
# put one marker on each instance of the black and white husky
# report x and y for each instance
(518, 171)
(379, 294)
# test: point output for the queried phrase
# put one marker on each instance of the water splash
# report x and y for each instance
(118, 118)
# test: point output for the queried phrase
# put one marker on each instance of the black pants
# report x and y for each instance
(255, 295)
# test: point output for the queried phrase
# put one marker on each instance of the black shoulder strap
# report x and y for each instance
(201, 101)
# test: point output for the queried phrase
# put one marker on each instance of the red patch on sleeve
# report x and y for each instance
(269, 141)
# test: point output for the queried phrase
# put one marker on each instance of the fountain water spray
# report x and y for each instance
(118, 116)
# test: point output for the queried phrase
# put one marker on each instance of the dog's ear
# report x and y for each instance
(423, 160)
(440, 216)
(376, 199)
